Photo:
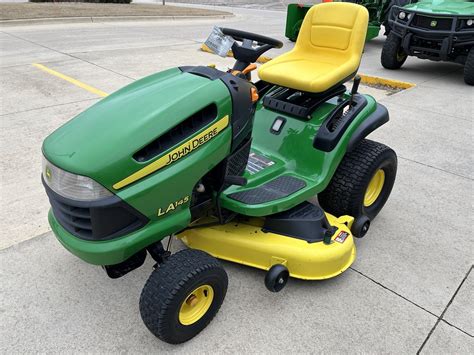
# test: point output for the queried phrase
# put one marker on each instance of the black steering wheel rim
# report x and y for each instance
(241, 35)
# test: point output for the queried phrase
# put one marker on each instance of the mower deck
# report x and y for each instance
(245, 242)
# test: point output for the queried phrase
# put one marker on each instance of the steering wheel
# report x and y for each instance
(246, 53)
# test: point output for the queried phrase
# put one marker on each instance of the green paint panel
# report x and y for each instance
(447, 7)
(293, 154)
(100, 143)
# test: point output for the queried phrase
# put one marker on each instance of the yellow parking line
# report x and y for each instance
(71, 80)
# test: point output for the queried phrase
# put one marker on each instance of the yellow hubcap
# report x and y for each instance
(375, 188)
(196, 305)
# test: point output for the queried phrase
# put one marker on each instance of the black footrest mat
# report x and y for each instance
(280, 187)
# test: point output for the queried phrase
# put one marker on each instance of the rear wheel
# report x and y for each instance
(393, 56)
(183, 295)
(469, 68)
(363, 181)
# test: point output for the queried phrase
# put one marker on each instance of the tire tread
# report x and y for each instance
(351, 177)
(168, 279)
(469, 68)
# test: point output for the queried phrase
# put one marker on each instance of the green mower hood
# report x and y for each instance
(443, 7)
(101, 141)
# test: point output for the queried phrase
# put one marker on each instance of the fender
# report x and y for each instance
(379, 117)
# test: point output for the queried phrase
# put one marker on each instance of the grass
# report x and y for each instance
(18, 11)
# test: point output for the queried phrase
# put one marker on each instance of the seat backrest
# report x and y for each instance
(334, 32)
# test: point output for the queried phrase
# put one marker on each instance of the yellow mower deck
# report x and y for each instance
(245, 243)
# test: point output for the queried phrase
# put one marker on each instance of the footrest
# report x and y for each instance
(280, 187)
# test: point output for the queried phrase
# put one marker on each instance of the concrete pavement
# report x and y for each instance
(409, 290)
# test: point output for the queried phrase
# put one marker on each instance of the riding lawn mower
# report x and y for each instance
(227, 166)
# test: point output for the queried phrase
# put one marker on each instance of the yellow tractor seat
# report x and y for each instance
(327, 52)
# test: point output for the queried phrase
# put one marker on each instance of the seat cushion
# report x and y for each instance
(299, 73)
(328, 50)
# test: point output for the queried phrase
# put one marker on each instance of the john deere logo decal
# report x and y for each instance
(434, 23)
(178, 153)
(48, 173)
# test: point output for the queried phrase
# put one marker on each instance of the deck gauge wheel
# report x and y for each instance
(360, 227)
(276, 278)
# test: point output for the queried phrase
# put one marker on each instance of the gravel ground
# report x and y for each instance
(14, 11)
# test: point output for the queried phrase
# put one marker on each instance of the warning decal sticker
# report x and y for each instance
(257, 163)
(341, 237)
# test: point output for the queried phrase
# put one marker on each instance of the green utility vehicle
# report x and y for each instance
(439, 30)
(227, 165)
(378, 14)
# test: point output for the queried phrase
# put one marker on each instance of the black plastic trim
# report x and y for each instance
(305, 221)
(298, 103)
(280, 187)
(243, 109)
(378, 118)
(281, 118)
(331, 132)
(205, 72)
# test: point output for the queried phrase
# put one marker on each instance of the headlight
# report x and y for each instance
(75, 187)
(470, 22)
(402, 15)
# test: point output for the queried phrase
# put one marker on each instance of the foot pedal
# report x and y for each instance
(305, 221)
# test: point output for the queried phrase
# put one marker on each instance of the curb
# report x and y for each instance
(87, 19)
(391, 83)
(365, 79)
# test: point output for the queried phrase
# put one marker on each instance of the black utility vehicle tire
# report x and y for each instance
(393, 55)
(171, 284)
(345, 193)
(469, 68)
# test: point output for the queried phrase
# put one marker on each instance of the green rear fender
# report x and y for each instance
(292, 153)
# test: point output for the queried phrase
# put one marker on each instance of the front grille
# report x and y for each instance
(98, 220)
(74, 219)
(432, 23)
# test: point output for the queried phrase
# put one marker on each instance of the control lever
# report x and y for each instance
(355, 87)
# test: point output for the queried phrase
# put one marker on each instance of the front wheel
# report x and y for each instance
(363, 181)
(183, 295)
(393, 56)
(469, 68)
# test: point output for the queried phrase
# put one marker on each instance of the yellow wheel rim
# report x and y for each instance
(196, 305)
(375, 188)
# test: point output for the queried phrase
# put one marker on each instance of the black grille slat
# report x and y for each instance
(81, 226)
(177, 134)
(72, 211)
(80, 223)
(442, 24)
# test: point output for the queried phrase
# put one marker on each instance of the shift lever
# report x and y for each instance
(355, 87)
